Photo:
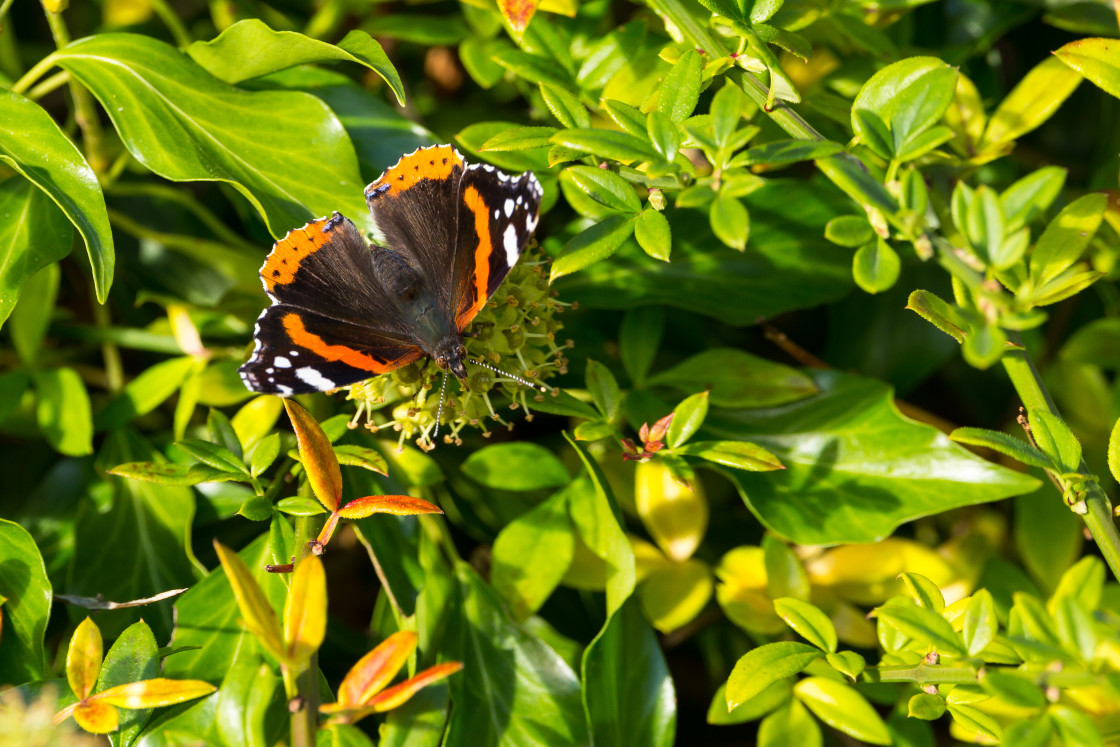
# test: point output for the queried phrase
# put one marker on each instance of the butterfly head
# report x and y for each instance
(450, 355)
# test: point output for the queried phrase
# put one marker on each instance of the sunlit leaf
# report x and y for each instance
(319, 460)
(397, 505)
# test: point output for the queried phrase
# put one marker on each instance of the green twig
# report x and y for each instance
(110, 353)
(171, 20)
(32, 75)
(52, 83)
(183, 199)
(1098, 517)
(85, 113)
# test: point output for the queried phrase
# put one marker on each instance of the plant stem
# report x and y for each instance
(383, 579)
(171, 20)
(85, 113)
(60, 78)
(305, 719)
(33, 74)
(110, 353)
(1098, 517)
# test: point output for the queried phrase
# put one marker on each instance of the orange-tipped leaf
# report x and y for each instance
(97, 718)
(518, 12)
(398, 695)
(317, 455)
(257, 614)
(398, 505)
(305, 612)
(376, 669)
(83, 659)
(153, 693)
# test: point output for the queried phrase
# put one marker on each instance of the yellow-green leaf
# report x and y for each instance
(83, 659)
(842, 707)
(1030, 103)
(153, 693)
(675, 516)
(97, 718)
(256, 613)
(1096, 59)
(305, 612)
(317, 455)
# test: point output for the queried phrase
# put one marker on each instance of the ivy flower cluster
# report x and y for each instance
(516, 331)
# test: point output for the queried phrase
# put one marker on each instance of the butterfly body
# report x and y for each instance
(344, 311)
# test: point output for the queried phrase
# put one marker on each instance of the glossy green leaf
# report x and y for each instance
(848, 663)
(535, 69)
(791, 724)
(521, 138)
(926, 706)
(531, 555)
(619, 146)
(627, 117)
(974, 720)
(876, 266)
(1096, 59)
(737, 454)
(735, 378)
(513, 688)
(1055, 439)
(730, 222)
(169, 473)
(1074, 727)
(225, 56)
(146, 392)
(920, 104)
(26, 607)
(156, 518)
(133, 657)
(1066, 237)
(654, 234)
(925, 593)
(842, 707)
(515, 466)
(673, 596)
(702, 277)
(897, 102)
(638, 340)
(605, 187)
(857, 493)
(980, 623)
(63, 411)
(849, 230)
(33, 234)
(1037, 96)
(1027, 198)
(766, 701)
(1013, 690)
(1034, 732)
(638, 709)
(604, 389)
(595, 513)
(213, 455)
(680, 90)
(285, 151)
(664, 135)
(807, 621)
(565, 106)
(1004, 443)
(592, 245)
(925, 626)
(208, 617)
(687, 418)
(33, 145)
(785, 152)
(763, 666)
(263, 454)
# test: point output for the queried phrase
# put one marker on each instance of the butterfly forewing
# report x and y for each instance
(497, 215)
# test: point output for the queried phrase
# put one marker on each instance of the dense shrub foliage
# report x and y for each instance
(823, 295)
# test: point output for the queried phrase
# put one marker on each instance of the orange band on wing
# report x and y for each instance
(426, 163)
(287, 253)
(293, 325)
(481, 213)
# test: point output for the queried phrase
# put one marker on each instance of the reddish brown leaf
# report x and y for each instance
(317, 455)
(399, 694)
(376, 669)
(97, 718)
(660, 428)
(398, 505)
(518, 12)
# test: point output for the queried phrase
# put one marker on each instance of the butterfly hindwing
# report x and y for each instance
(497, 215)
(300, 351)
(415, 206)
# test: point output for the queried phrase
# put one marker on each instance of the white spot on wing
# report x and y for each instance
(313, 378)
(509, 241)
(283, 390)
(509, 208)
(281, 362)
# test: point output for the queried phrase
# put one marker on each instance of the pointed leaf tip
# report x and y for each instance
(318, 457)
(397, 505)
(83, 658)
(376, 669)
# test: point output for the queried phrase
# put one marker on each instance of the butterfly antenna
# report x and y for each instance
(439, 409)
(518, 379)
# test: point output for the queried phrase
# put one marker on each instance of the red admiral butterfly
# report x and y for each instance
(343, 311)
